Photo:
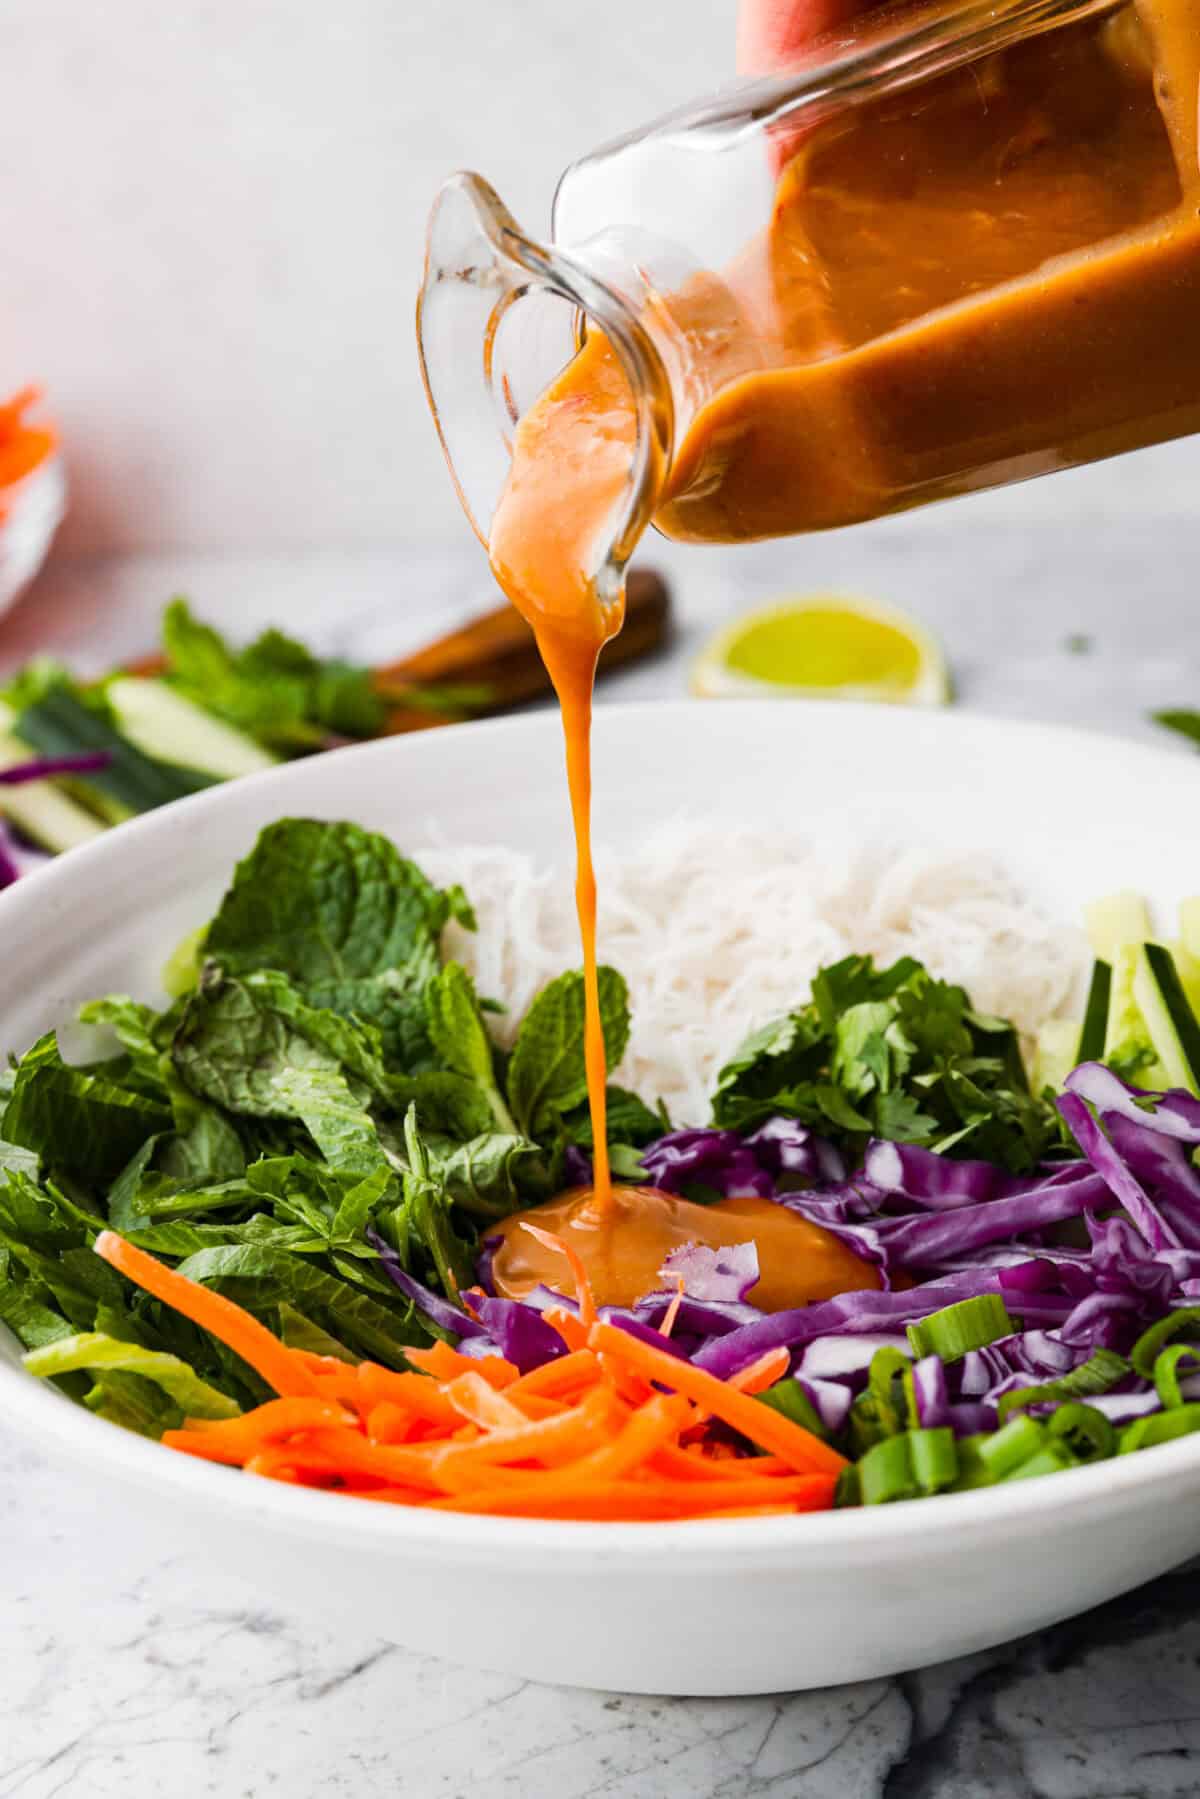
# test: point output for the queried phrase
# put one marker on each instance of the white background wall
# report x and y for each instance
(213, 216)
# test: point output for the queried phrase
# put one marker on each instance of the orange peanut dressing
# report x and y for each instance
(570, 465)
(624, 1244)
(997, 277)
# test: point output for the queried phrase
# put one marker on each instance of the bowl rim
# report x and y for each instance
(47, 1418)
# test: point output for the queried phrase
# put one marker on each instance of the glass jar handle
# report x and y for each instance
(498, 317)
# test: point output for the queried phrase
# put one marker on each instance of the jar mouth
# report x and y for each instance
(498, 317)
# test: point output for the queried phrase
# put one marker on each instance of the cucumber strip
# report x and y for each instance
(162, 723)
(1128, 1046)
(1118, 919)
(40, 809)
(1188, 970)
(60, 725)
(1189, 925)
(1095, 1013)
(1057, 1053)
(1169, 1018)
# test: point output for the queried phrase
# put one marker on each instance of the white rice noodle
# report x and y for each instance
(717, 932)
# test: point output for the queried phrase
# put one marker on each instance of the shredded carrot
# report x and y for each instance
(444, 1363)
(569, 1327)
(616, 1429)
(551, 1442)
(278, 1365)
(769, 1429)
(569, 1372)
(762, 1374)
(22, 446)
(414, 1393)
(672, 1313)
(474, 1400)
(583, 1287)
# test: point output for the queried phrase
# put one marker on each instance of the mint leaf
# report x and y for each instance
(341, 1129)
(262, 1277)
(237, 1039)
(75, 1120)
(24, 1308)
(630, 1121)
(546, 1072)
(325, 903)
(460, 1038)
(424, 1219)
(351, 922)
(491, 1175)
(446, 1103)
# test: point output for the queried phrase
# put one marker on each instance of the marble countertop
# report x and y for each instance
(178, 1681)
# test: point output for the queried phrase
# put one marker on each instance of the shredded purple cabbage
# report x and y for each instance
(14, 862)
(46, 768)
(719, 1274)
(718, 1160)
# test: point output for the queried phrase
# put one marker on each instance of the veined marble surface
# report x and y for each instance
(176, 1679)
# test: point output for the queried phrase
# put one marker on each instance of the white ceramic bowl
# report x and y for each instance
(745, 1606)
(32, 512)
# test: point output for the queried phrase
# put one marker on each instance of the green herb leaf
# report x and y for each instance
(344, 916)
(261, 1277)
(1187, 723)
(238, 1038)
(892, 1053)
(546, 1073)
(75, 1120)
(630, 1121)
(491, 1175)
(93, 1350)
(425, 1217)
(275, 690)
(459, 1036)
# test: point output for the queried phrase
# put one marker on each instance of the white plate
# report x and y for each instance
(747, 1606)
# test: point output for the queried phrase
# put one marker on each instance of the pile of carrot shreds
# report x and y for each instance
(614, 1428)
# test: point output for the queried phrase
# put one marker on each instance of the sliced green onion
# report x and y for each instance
(886, 1472)
(848, 1491)
(885, 1383)
(973, 1471)
(1100, 1372)
(1052, 1458)
(1159, 1427)
(934, 1458)
(788, 1396)
(1145, 1351)
(1166, 1372)
(1011, 1445)
(910, 1466)
(1085, 1431)
(866, 1428)
(957, 1329)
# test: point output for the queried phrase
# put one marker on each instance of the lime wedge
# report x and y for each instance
(825, 646)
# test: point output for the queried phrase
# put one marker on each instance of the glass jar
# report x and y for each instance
(950, 248)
